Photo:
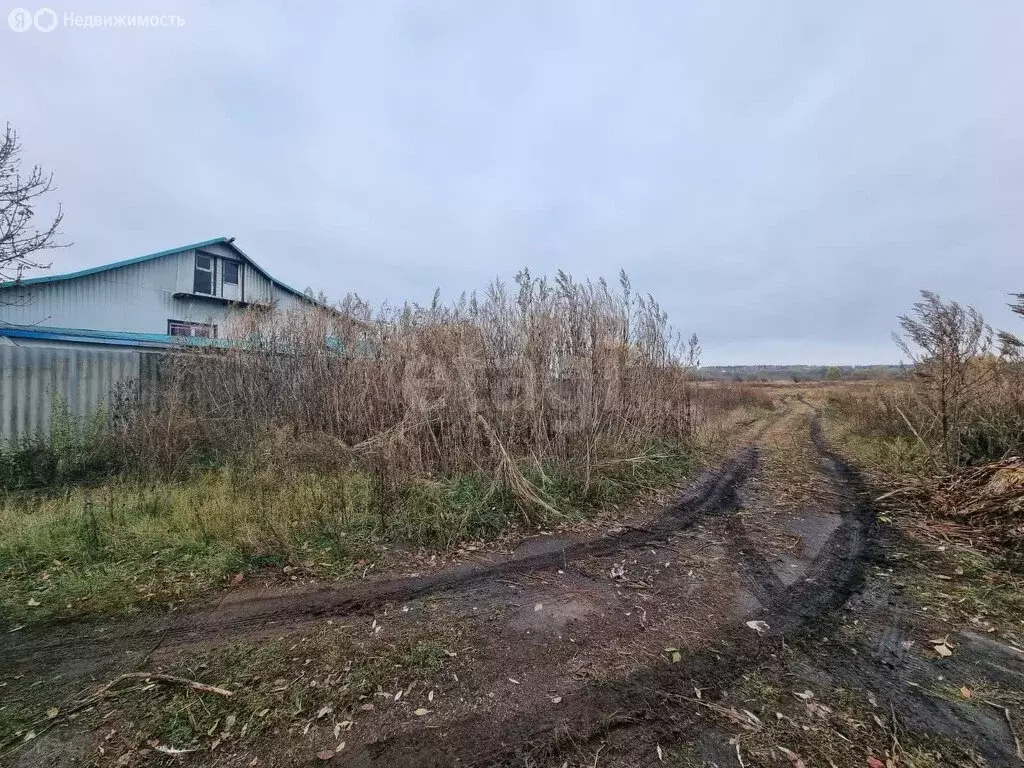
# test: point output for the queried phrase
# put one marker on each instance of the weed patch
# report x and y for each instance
(121, 548)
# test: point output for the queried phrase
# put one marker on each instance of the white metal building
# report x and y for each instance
(147, 301)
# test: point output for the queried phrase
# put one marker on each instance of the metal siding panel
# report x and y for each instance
(35, 406)
(30, 377)
(6, 389)
(132, 298)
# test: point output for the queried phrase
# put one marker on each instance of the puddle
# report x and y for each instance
(814, 530)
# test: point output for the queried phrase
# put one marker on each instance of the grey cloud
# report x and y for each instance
(782, 176)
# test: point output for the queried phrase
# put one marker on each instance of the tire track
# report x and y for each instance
(658, 700)
(713, 492)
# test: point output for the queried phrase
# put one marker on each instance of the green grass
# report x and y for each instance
(117, 548)
(294, 688)
(285, 683)
(969, 589)
(844, 733)
(122, 547)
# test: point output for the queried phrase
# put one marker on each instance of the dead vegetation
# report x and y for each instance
(545, 372)
(947, 439)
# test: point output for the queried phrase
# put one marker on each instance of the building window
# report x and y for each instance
(195, 330)
(231, 272)
(203, 280)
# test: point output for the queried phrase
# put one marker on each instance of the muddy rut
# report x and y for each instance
(714, 493)
(659, 701)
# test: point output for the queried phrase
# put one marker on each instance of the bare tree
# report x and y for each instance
(951, 348)
(20, 241)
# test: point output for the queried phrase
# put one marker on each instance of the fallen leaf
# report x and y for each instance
(556, 700)
(52, 712)
(430, 696)
(794, 758)
(661, 755)
(514, 681)
(966, 692)
(174, 750)
(327, 710)
(759, 626)
(33, 603)
(325, 754)
(874, 762)
(421, 712)
(538, 606)
(943, 650)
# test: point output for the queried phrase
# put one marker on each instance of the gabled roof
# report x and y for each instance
(227, 241)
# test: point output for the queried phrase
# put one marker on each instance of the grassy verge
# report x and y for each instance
(942, 570)
(305, 690)
(121, 547)
(787, 721)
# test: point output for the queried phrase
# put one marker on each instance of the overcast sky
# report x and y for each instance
(783, 177)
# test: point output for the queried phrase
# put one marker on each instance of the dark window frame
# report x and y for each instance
(230, 263)
(210, 330)
(211, 272)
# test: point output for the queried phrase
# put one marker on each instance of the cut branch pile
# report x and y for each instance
(984, 503)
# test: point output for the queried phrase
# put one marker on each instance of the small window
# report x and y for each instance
(231, 272)
(203, 280)
(195, 330)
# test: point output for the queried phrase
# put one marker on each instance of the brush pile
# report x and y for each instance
(983, 504)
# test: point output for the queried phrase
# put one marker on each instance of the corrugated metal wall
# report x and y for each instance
(85, 379)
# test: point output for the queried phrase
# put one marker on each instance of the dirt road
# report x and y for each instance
(752, 621)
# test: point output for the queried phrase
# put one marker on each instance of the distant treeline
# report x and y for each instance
(799, 372)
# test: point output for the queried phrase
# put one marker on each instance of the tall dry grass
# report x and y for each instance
(560, 371)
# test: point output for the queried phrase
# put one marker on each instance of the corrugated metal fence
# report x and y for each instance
(34, 379)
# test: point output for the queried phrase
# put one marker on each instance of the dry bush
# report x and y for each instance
(947, 436)
(965, 402)
(874, 410)
(714, 398)
(546, 372)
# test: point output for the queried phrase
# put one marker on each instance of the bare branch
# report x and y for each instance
(21, 241)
